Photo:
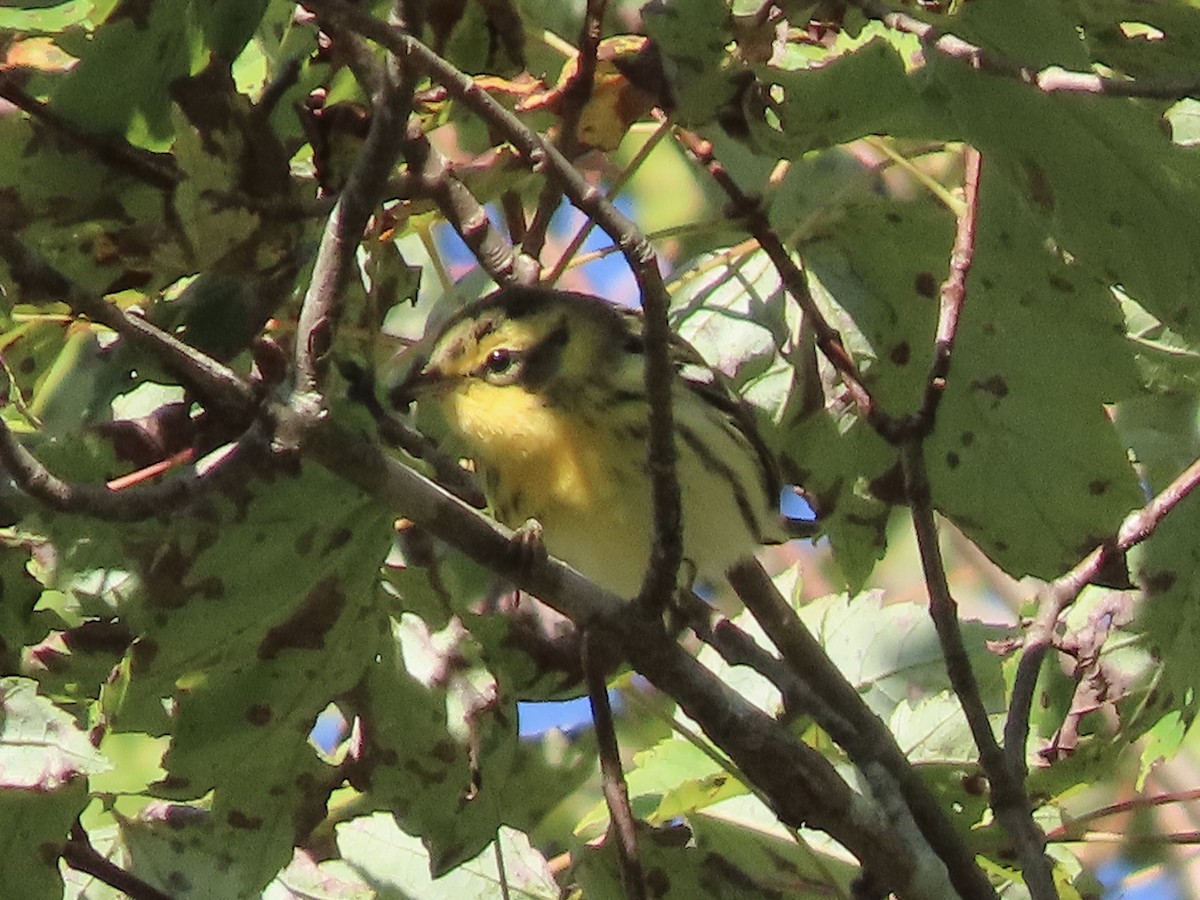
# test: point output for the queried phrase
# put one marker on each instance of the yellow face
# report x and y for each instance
(514, 380)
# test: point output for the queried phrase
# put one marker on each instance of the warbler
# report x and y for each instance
(543, 390)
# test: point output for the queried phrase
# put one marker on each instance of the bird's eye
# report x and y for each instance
(500, 361)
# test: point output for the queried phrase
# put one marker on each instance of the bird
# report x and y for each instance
(543, 391)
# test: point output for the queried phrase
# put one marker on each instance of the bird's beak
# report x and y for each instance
(421, 380)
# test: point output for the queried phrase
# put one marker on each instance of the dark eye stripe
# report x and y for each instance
(542, 360)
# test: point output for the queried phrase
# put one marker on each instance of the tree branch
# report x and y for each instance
(574, 98)
(1050, 80)
(391, 105)
(433, 178)
(829, 341)
(615, 187)
(622, 825)
(1009, 800)
(952, 295)
(144, 501)
(839, 709)
(80, 855)
(1054, 598)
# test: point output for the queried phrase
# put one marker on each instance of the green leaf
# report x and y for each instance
(774, 861)
(395, 864)
(46, 16)
(36, 824)
(41, 747)
(693, 44)
(712, 858)
(669, 780)
(426, 709)
(891, 652)
(121, 85)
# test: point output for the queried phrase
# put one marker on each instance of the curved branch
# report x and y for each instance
(1050, 80)
(391, 105)
(1055, 597)
(128, 505)
(433, 178)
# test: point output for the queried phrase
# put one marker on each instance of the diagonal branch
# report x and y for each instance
(574, 98)
(839, 709)
(749, 210)
(615, 187)
(622, 825)
(428, 174)
(1050, 80)
(433, 178)
(1055, 597)
(80, 855)
(391, 105)
(1009, 800)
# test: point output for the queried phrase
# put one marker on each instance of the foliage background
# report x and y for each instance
(162, 676)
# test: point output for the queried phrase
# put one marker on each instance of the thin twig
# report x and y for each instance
(738, 648)
(397, 433)
(429, 174)
(952, 295)
(1077, 826)
(80, 855)
(574, 98)
(1009, 800)
(391, 104)
(144, 501)
(749, 211)
(618, 183)
(433, 178)
(1050, 80)
(622, 825)
(1055, 597)
(840, 710)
